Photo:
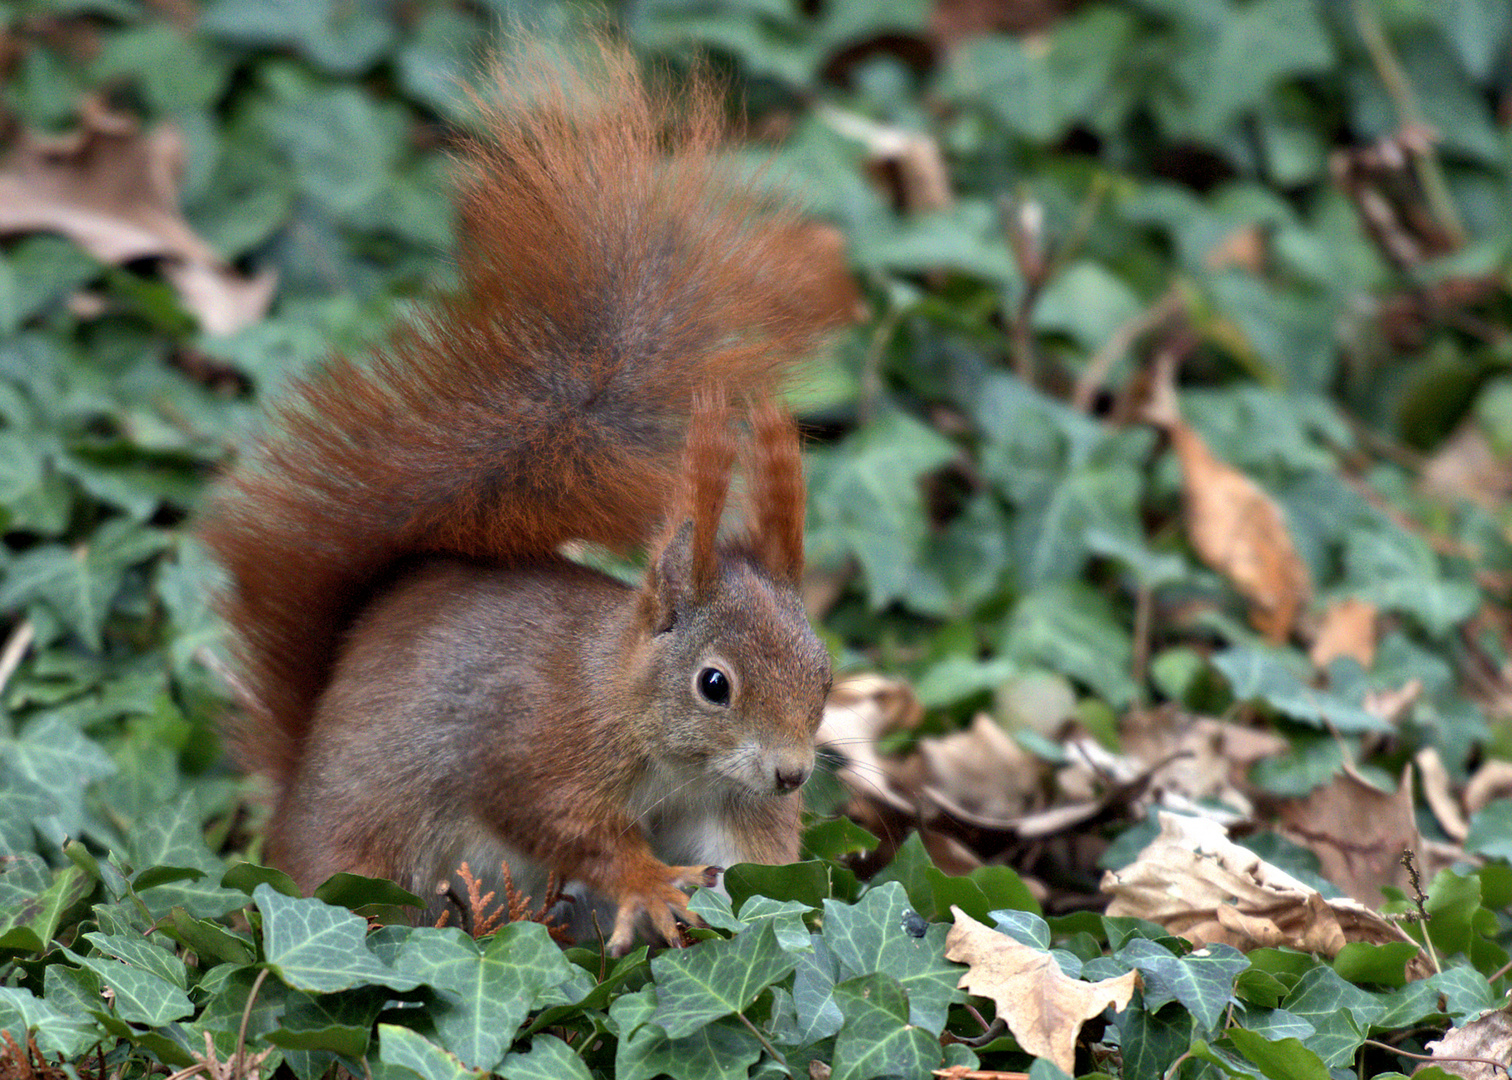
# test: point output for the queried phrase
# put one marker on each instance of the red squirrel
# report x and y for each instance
(427, 679)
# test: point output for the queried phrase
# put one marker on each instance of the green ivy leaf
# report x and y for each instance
(878, 1039)
(1340, 1014)
(1280, 1059)
(697, 985)
(315, 947)
(139, 995)
(871, 936)
(719, 1050)
(1203, 981)
(142, 953)
(55, 762)
(402, 1052)
(548, 1058)
(56, 1032)
(485, 992)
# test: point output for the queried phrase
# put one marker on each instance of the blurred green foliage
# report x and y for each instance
(1319, 192)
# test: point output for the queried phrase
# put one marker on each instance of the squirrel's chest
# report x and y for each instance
(686, 817)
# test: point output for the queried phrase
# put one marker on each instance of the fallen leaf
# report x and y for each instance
(1196, 758)
(1194, 881)
(1234, 526)
(1467, 466)
(860, 710)
(1242, 249)
(1239, 531)
(1358, 833)
(1437, 790)
(983, 771)
(908, 163)
(1348, 629)
(1488, 1040)
(1493, 780)
(1393, 706)
(1043, 1007)
(113, 189)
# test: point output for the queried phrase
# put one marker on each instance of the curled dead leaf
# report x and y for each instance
(983, 771)
(1196, 882)
(1437, 790)
(1493, 780)
(860, 710)
(1358, 832)
(113, 189)
(1480, 1050)
(910, 164)
(1043, 1007)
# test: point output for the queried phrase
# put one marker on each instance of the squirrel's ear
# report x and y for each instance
(774, 470)
(669, 579)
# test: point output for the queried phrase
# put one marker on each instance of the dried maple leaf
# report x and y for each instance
(1196, 882)
(1043, 1007)
(113, 189)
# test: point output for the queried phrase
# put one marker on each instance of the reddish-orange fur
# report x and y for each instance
(609, 272)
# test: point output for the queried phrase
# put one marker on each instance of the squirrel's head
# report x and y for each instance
(736, 679)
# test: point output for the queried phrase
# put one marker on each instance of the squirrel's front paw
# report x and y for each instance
(661, 903)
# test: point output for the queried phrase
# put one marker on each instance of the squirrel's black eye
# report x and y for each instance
(714, 685)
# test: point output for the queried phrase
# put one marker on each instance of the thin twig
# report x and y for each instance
(767, 1044)
(241, 1034)
(1399, 88)
(1437, 1059)
(1120, 342)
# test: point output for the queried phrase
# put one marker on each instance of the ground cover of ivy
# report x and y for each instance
(975, 521)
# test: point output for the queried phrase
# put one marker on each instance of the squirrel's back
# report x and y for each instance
(609, 268)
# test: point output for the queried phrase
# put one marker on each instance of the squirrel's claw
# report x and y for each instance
(663, 906)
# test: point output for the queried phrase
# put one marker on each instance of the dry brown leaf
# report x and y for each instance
(113, 189)
(1358, 833)
(1348, 629)
(907, 162)
(860, 710)
(1393, 706)
(1493, 780)
(1488, 1040)
(1204, 760)
(1043, 1007)
(983, 771)
(1467, 466)
(1233, 525)
(1196, 882)
(1438, 791)
(1240, 532)
(1242, 249)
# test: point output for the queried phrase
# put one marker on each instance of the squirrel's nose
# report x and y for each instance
(791, 778)
(791, 767)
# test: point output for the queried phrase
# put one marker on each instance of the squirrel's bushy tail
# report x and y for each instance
(609, 268)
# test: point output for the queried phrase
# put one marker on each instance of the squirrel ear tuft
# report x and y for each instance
(774, 471)
(669, 579)
(710, 457)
